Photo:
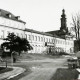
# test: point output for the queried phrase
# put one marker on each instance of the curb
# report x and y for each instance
(20, 70)
(15, 72)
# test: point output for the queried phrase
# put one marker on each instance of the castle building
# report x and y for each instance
(10, 23)
(63, 32)
(42, 42)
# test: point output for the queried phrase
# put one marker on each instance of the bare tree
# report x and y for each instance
(76, 25)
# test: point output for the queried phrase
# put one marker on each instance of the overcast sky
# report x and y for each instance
(42, 15)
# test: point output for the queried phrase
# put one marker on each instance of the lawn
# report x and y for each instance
(4, 69)
(25, 56)
(65, 74)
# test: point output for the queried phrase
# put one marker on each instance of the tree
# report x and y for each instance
(76, 29)
(76, 25)
(15, 43)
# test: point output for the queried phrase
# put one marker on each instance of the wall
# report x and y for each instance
(63, 45)
(38, 42)
(41, 43)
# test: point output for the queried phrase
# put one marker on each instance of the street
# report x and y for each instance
(43, 69)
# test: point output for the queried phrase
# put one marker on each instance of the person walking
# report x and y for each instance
(14, 55)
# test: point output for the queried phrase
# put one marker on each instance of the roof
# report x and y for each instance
(6, 14)
(60, 34)
(38, 32)
(56, 32)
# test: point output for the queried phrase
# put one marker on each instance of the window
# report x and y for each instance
(26, 36)
(49, 40)
(52, 40)
(44, 39)
(38, 38)
(29, 37)
(41, 38)
(32, 37)
(55, 41)
(35, 38)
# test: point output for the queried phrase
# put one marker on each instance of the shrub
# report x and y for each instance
(65, 74)
(63, 53)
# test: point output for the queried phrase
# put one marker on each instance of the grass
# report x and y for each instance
(37, 56)
(4, 69)
(65, 74)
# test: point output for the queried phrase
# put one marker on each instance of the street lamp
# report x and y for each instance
(12, 59)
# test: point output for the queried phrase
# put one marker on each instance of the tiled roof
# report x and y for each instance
(6, 14)
(38, 32)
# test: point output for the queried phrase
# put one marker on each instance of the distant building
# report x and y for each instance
(10, 23)
(42, 42)
(63, 32)
(64, 40)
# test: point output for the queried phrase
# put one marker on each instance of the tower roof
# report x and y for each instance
(63, 13)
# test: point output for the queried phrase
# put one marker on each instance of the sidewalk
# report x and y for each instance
(16, 71)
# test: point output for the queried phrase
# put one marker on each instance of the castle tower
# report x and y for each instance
(63, 21)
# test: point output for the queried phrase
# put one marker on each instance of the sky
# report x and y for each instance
(42, 15)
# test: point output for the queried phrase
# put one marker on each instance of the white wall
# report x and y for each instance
(11, 23)
(65, 45)
(9, 26)
(39, 43)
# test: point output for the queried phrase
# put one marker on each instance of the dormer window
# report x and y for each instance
(8, 15)
(17, 17)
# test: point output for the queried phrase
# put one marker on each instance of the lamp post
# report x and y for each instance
(12, 59)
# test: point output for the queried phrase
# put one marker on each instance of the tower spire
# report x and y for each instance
(63, 12)
(63, 20)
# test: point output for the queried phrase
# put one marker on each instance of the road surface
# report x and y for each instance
(43, 69)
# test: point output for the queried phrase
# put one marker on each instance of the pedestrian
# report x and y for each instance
(14, 55)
